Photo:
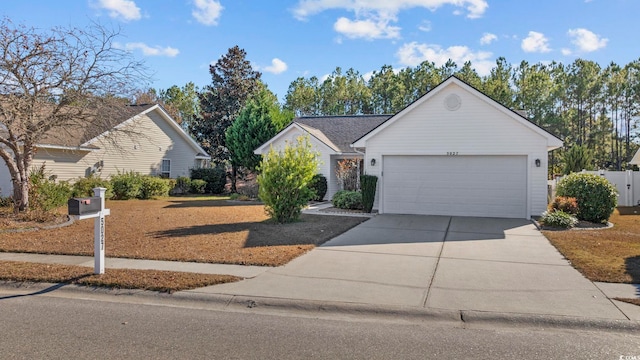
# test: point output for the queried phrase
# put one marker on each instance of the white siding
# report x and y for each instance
(476, 128)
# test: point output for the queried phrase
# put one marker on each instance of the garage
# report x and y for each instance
(488, 186)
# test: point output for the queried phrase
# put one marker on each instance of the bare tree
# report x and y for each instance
(53, 82)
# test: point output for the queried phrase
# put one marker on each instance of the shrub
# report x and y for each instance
(183, 184)
(347, 199)
(152, 187)
(215, 177)
(559, 219)
(368, 186)
(566, 204)
(596, 196)
(319, 186)
(83, 187)
(285, 178)
(198, 186)
(126, 185)
(44, 193)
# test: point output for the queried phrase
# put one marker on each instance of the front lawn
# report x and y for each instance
(609, 255)
(211, 230)
(154, 280)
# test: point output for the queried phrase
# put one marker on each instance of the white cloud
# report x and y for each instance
(149, 50)
(207, 12)
(125, 9)
(535, 42)
(425, 26)
(412, 54)
(566, 52)
(306, 8)
(367, 29)
(488, 38)
(586, 41)
(277, 66)
(373, 18)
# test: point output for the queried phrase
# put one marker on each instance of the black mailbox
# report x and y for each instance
(84, 206)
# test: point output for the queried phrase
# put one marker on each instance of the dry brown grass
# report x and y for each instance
(164, 281)
(610, 255)
(209, 230)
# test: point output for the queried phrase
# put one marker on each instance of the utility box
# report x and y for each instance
(84, 206)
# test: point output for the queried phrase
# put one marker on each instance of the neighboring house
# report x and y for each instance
(454, 151)
(636, 159)
(145, 140)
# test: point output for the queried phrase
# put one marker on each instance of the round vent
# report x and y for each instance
(452, 102)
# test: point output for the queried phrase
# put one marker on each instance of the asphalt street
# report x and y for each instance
(61, 325)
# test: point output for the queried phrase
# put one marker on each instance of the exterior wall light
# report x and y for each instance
(373, 162)
(537, 162)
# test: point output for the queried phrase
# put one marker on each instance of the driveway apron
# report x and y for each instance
(441, 262)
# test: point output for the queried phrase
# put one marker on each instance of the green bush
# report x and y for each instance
(83, 187)
(596, 196)
(285, 178)
(319, 186)
(198, 186)
(44, 193)
(215, 177)
(368, 187)
(347, 199)
(566, 204)
(152, 187)
(558, 219)
(183, 184)
(126, 185)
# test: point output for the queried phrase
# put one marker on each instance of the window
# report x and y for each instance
(165, 170)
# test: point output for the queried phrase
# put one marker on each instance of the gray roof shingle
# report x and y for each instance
(341, 131)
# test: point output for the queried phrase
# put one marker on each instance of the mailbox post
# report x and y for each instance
(93, 207)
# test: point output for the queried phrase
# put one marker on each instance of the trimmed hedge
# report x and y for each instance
(368, 187)
(347, 199)
(596, 196)
(216, 178)
(319, 185)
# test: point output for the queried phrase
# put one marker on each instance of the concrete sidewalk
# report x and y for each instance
(426, 263)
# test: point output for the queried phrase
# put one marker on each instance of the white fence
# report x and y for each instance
(627, 183)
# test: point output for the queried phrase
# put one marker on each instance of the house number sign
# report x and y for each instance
(452, 153)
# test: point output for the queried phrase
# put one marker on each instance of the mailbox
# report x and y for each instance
(84, 206)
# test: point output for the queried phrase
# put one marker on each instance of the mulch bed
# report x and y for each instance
(211, 230)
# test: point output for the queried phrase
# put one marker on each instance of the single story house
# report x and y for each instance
(146, 140)
(453, 151)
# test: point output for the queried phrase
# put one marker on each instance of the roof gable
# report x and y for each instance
(145, 109)
(552, 141)
(341, 131)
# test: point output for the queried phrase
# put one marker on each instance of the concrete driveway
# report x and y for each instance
(439, 262)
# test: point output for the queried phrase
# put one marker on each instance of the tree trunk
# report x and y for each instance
(234, 176)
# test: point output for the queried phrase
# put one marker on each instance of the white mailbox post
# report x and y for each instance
(81, 209)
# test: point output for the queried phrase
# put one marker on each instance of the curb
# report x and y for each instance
(239, 303)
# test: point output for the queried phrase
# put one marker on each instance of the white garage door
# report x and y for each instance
(487, 186)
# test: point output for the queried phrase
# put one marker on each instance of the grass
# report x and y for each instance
(609, 255)
(201, 229)
(198, 229)
(163, 281)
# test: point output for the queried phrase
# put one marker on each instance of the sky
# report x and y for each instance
(287, 39)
